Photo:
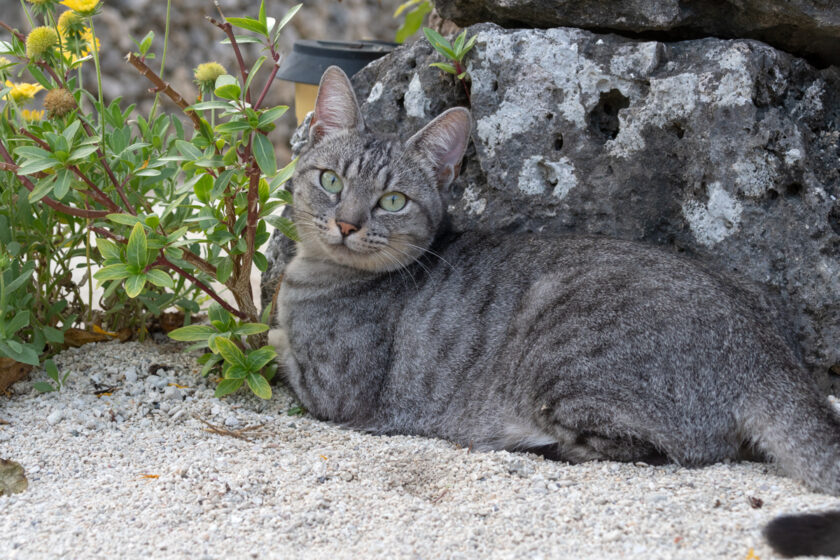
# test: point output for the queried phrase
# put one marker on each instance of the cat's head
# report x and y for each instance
(366, 201)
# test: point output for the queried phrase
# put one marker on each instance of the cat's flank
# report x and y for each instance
(581, 347)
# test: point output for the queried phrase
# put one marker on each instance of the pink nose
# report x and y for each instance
(346, 229)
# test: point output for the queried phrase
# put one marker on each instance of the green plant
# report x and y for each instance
(415, 12)
(52, 373)
(238, 366)
(172, 211)
(455, 52)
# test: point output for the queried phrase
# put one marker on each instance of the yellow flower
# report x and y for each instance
(68, 22)
(89, 40)
(84, 7)
(33, 115)
(23, 92)
(39, 41)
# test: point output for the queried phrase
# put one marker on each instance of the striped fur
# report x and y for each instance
(580, 347)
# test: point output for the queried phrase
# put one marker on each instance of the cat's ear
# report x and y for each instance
(443, 142)
(336, 107)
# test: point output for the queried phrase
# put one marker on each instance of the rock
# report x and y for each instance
(55, 417)
(809, 28)
(172, 393)
(130, 374)
(724, 150)
(12, 478)
(232, 421)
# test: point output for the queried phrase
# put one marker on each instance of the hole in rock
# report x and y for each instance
(834, 222)
(794, 189)
(558, 142)
(603, 120)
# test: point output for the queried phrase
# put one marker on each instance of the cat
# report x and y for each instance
(580, 347)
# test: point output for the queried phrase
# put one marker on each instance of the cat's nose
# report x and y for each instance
(346, 228)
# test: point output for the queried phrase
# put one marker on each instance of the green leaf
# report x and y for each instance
(468, 46)
(19, 281)
(233, 126)
(230, 351)
(43, 387)
(51, 370)
(160, 278)
(404, 6)
(188, 150)
(81, 153)
(112, 272)
(261, 17)
(234, 372)
(227, 87)
(285, 225)
(264, 154)
(70, 132)
(287, 18)
(445, 67)
(203, 187)
(247, 329)
(259, 385)
(192, 333)
(413, 21)
(124, 219)
(272, 115)
(459, 41)
(62, 184)
(221, 183)
(42, 188)
(260, 261)
(18, 352)
(224, 269)
(134, 285)
(136, 252)
(108, 248)
(53, 335)
(20, 320)
(284, 175)
(439, 43)
(266, 314)
(249, 24)
(32, 166)
(253, 72)
(242, 40)
(227, 386)
(32, 152)
(204, 105)
(257, 359)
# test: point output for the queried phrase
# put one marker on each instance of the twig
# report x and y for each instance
(164, 87)
(442, 494)
(163, 261)
(228, 29)
(240, 433)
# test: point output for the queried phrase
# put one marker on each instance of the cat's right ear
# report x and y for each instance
(443, 143)
(336, 108)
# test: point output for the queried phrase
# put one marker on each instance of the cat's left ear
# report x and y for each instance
(443, 142)
(336, 108)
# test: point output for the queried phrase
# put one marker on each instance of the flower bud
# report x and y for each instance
(39, 41)
(59, 102)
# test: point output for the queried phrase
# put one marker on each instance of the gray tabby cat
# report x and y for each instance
(582, 348)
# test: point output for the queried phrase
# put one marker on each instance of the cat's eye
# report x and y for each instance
(393, 201)
(331, 182)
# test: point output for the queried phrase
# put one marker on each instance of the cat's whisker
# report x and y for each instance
(413, 259)
(429, 251)
(401, 268)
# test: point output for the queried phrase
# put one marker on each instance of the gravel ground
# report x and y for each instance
(136, 475)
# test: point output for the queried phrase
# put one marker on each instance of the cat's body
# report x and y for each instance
(582, 347)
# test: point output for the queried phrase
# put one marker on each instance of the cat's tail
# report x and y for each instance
(795, 425)
(814, 534)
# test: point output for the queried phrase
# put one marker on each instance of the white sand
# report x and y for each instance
(307, 489)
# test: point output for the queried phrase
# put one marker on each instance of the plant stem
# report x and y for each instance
(163, 261)
(228, 29)
(160, 85)
(162, 58)
(98, 83)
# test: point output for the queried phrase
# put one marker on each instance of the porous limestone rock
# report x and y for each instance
(809, 28)
(723, 149)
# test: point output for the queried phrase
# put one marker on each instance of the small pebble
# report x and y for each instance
(55, 417)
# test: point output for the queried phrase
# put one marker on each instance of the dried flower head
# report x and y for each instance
(59, 102)
(22, 92)
(206, 74)
(39, 42)
(84, 7)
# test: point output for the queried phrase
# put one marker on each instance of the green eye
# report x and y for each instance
(393, 201)
(331, 182)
